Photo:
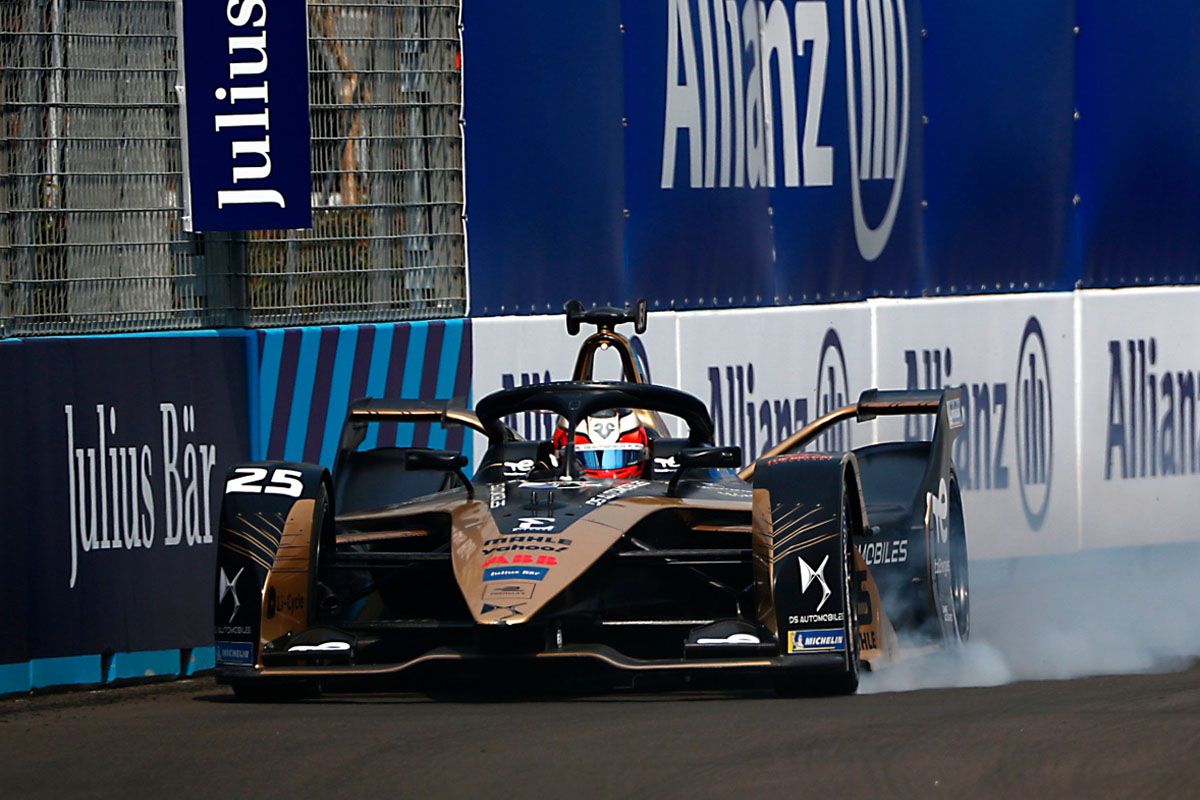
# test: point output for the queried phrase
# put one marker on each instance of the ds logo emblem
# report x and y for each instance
(1033, 420)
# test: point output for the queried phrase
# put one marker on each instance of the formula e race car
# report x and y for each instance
(622, 542)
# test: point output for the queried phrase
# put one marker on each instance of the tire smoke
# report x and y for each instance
(1093, 613)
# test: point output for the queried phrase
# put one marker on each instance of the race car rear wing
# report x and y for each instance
(872, 403)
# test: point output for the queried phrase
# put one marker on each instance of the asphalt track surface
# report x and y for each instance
(1123, 736)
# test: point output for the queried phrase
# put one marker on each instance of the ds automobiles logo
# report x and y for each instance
(1033, 420)
(878, 106)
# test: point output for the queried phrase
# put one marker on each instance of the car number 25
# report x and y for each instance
(283, 481)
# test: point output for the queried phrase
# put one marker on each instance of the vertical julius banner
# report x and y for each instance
(244, 105)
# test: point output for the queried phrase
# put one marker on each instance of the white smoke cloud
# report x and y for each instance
(1097, 613)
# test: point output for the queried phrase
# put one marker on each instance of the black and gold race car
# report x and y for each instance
(804, 566)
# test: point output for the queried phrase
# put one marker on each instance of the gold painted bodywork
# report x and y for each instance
(290, 577)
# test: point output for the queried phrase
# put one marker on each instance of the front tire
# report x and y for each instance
(800, 683)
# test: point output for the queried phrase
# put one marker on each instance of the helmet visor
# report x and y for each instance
(612, 456)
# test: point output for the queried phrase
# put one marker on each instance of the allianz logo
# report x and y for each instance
(757, 422)
(727, 63)
(1151, 417)
(983, 449)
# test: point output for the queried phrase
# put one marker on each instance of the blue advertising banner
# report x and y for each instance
(1138, 143)
(772, 152)
(245, 111)
(999, 143)
(111, 490)
(542, 111)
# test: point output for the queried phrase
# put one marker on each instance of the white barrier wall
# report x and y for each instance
(1081, 407)
(764, 373)
(1140, 456)
(518, 351)
(1016, 455)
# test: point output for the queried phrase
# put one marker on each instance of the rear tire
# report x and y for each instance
(960, 589)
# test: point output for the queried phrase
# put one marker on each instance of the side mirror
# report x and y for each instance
(440, 461)
(702, 457)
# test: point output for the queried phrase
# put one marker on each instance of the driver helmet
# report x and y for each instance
(610, 444)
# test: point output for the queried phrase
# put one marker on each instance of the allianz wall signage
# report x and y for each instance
(244, 105)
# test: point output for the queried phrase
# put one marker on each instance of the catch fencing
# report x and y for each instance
(91, 236)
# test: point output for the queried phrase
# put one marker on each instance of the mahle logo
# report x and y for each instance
(1033, 421)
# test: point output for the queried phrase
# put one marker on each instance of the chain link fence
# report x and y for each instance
(91, 176)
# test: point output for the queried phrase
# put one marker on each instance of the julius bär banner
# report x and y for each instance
(245, 114)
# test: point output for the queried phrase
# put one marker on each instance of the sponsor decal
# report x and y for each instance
(323, 647)
(937, 512)
(117, 489)
(884, 552)
(553, 544)
(867, 640)
(522, 558)
(535, 524)
(733, 638)
(700, 112)
(725, 490)
(228, 588)
(233, 630)
(808, 575)
(497, 495)
(810, 618)
(251, 480)
(941, 566)
(292, 604)
(832, 640)
(1151, 421)
(518, 469)
(785, 459)
(614, 492)
(514, 573)
(666, 464)
(954, 412)
(508, 591)
(755, 423)
(235, 653)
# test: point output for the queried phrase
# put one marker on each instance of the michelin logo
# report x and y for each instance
(832, 640)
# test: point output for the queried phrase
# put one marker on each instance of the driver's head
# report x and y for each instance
(610, 444)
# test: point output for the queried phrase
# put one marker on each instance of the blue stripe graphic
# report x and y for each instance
(306, 371)
(268, 381)
(447, 374)
(339, 391)
(253, 389)
(414, 362)
(381, 352)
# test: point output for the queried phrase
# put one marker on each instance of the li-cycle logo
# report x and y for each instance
(728, 63)
(994, 440)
